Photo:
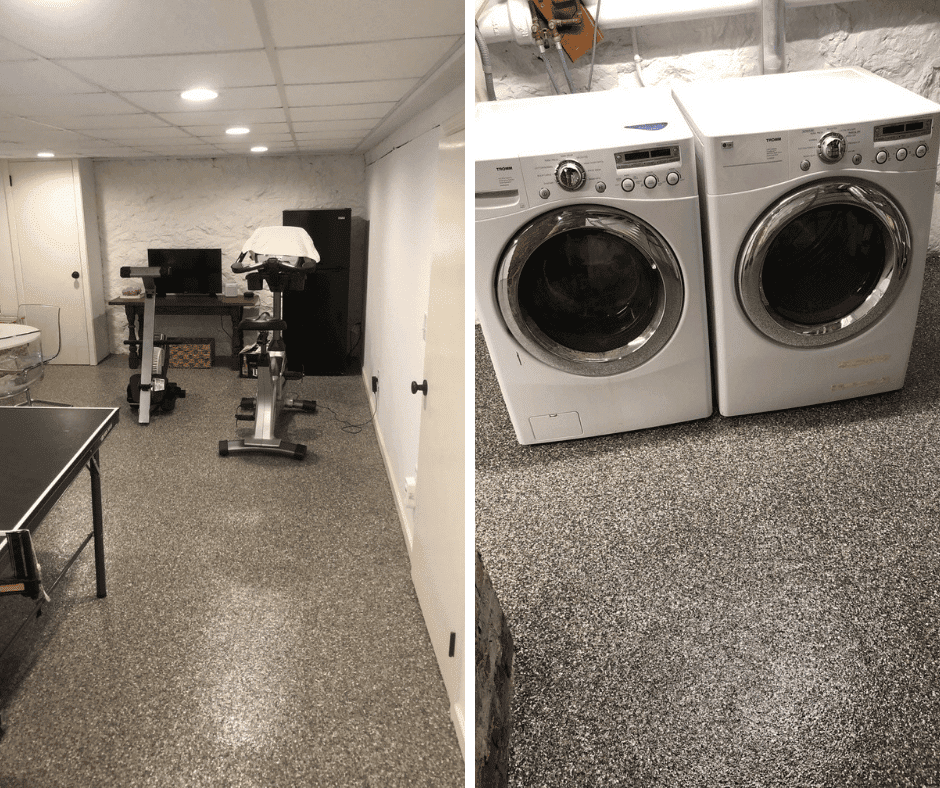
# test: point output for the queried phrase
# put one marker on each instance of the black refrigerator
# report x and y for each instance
(318, 334)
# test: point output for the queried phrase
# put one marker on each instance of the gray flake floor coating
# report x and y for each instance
(261, 627)
(748, 601)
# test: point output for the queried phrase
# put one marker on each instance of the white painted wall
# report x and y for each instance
(214, 203)
(896, 39)
(401, 189)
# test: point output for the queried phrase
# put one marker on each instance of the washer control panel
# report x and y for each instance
(644, 173)
(509, 185)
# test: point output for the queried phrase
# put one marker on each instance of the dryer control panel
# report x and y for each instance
(750, 161)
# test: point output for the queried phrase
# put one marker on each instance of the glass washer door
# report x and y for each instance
(590, 290)
(824, 263)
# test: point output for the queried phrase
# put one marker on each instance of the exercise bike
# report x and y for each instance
(150, 391)
(281, 257)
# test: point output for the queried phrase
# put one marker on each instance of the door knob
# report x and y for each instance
(75, 274)
(415, 388)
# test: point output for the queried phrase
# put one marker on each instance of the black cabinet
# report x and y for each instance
(318, 332)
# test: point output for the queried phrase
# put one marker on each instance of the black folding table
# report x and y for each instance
(42, 450)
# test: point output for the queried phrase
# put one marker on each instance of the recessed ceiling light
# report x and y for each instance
(45, 154)
(237, 130)
(259, 149)
(199, 94)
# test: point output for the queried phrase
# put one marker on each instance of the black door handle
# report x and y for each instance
(415, 388)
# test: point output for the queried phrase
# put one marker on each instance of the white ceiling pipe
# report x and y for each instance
(772, 40)
(510, 20)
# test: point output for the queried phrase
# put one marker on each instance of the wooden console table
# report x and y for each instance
(185, 305)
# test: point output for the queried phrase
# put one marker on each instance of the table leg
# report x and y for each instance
(134, 359)
(97, 525)
(237, 339)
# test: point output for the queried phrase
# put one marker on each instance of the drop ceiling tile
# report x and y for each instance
(176, 72)
(32, 77)
(361, 62)
(256, 131)
(163, 101)
(78, 104)
(256, 138)
(321, 146)
(354, 124)
(130, 27)
(349, 92)
(374, 111)
(161, 133)
(246, 117)
(303, 23)
(138, 120)
(10, 51)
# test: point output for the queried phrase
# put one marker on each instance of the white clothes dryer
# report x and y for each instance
(817, 189)
(590, 285)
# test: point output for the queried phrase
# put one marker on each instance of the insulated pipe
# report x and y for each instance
(502, 20)
(772, 38)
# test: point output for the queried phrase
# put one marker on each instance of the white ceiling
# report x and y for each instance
(102, 78)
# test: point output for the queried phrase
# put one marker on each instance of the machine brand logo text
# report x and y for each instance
(861, 362)
(501, 169)
(859, 384)
(774, 139)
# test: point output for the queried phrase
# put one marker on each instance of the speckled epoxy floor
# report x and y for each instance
(749, 601)
(261, 627)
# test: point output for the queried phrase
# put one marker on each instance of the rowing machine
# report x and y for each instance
(150, 390)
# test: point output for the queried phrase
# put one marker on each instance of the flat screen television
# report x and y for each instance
(194, 271)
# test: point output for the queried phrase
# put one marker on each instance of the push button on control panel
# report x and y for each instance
(650, 181)
(921, 151)
(881, 156)
(901, 154)
(672, 177)
(627, 184)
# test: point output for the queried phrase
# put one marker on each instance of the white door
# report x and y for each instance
(46, 228)
(437, 558)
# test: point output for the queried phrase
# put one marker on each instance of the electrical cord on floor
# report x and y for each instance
(348, 426)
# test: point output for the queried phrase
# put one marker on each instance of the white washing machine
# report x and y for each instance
(817, 189)
(589, 278)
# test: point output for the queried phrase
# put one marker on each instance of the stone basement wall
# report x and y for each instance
(896, 39)
(214, 203)
(494, 681)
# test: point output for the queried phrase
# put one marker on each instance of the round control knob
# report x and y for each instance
(600, 187)
(544, 193)
(831, 147)
(627, 184)
(901, 154)
(570, 175)
(805, 165)
(650, 181)
(857, 159)
(881, 156)
(672, 177)
(921, 151)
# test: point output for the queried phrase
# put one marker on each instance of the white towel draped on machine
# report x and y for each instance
(281, 242)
